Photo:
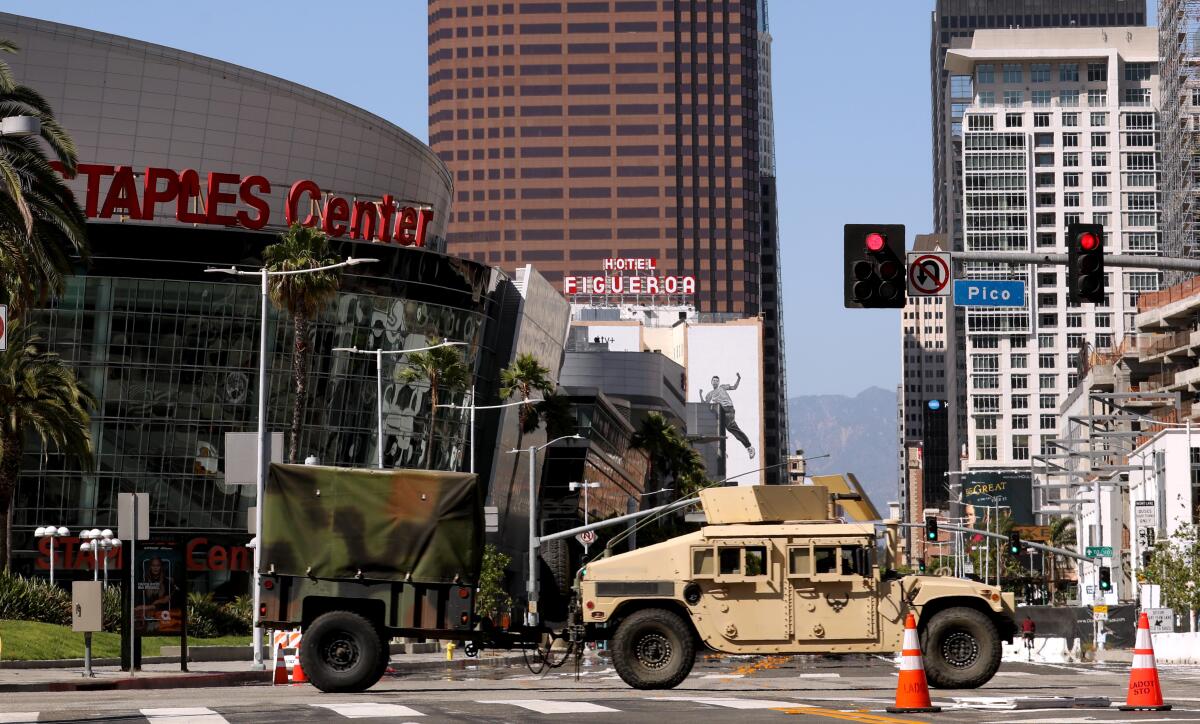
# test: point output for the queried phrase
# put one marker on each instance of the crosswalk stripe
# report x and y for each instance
(365, 709)
(731, 703)
(547, 706)
(18, 717)
(184, 715)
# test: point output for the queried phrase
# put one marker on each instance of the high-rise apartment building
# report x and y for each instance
(1050, 139)
(582, 131)
(953, 23)
(1178, 26)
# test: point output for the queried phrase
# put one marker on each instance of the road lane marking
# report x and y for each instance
(865, 717)
(365, 710)
(18, 717)
(722, 676)
(730, 702)
(547, 706)
(183, 715)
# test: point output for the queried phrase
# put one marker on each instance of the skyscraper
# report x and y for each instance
(953, 23)
(582, 131)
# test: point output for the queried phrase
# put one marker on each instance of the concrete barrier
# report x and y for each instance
(1046, 650)
(1176, 648)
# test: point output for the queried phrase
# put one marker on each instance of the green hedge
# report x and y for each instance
(34, 599)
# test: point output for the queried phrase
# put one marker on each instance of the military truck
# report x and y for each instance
(356, 557)
(770, 573)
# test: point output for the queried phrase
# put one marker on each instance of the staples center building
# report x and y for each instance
(188, 163)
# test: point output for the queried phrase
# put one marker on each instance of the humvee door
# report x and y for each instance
(743, 585)
(835, 590)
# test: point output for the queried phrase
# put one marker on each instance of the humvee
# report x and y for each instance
(771, 573)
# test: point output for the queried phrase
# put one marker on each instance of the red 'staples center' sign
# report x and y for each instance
(228, 199)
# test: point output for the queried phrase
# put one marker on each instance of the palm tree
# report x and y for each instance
(41, 225)
(523, 377)
(441, 367)
(671, 456)
(556, 414)
(302, 296)
(39, 394)
(1062, 535)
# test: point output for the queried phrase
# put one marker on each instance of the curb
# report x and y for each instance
(240, 678)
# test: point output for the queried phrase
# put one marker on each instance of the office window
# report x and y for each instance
(1014, 120)
(1014, 98)
(985, 73)
(1047, 279)
(1043, 140)
(987, 99)
(1047, 361)
(1071, 199)
(1099, 218)
(1020, 447)
(986, 403)
(1070, 120)
(1068, 99)
(1020, 422)
(1069, 219)
(1097, 72)
(1039, 73)
(1099, 159)
(1013, 73)
(1046, 199)
(985, 447)
(1068, 72)
(1098, 119)
(1097, 98)
(1047, 382)
(1071, 180)
(1070, 159)
(1070, 140)
(1048, 402)
(986, 422)
(1044, 179)
(1100, 198)
(1020, 402)
(1135, 97)
(1075, 320)
(1019, 382)
(1045, 240)
(1138, 71)
(981, 123)
(1099, 179)
(1047, 422)
(1099, 140)
(1040, 98)
(1019, 361)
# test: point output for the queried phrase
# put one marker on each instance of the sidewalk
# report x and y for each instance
(211, 673)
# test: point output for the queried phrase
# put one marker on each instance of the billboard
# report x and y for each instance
(724, 371)
(985, 489)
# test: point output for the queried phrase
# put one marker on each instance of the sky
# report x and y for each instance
(852, 128)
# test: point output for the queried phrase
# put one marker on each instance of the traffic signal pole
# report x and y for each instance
(1130, 261)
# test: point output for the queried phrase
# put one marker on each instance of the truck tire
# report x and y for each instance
(557, 557)
(961, 649)
(653, 649)
(341, 653)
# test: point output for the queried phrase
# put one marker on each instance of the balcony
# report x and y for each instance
(1170, 347)
(1168, 309)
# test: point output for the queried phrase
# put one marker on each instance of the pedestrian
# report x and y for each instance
(1028, 628)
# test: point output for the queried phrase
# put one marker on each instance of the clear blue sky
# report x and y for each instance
(851, 90)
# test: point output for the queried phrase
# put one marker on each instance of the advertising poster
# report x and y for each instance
(724, 371)
(986, 489)
(160, 599)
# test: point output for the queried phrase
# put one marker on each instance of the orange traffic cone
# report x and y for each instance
(1145, 694)
(281, 672)
(298, 676)
(912, 691)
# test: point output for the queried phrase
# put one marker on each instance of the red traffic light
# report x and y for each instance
(875, 242)
(1088, 241)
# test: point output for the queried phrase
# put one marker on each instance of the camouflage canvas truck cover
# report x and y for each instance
(354, 557)
(772, 573)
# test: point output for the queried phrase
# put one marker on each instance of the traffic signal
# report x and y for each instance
(1105, 578)
(874, 261)
(921, 567)
(1014, 543)
(1085, 263)
(931, 529)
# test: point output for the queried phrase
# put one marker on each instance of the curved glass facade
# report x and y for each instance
(172, 354)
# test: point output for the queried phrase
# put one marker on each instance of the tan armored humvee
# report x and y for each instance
(770, 573)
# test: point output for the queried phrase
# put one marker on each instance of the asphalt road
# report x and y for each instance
(803, 689)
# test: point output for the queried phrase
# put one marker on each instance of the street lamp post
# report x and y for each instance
(378, 355)
(531, 615)
(51, 532)
(473, 407)
(264, 454)
(584, 486)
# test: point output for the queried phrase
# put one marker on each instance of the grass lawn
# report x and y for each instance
(26, 640)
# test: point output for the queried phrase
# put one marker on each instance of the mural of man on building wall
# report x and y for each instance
(719, 395)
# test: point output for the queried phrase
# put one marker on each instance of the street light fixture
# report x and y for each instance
(584, 486)
(378, 355)
(20, 126)
(51, 532)
(264, 454)
(473, 407)
(531, 592)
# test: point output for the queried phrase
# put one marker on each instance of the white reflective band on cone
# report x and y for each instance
(911, 663)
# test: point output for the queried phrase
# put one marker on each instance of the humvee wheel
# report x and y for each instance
(341, 653)
(961, 649)
(653, 649)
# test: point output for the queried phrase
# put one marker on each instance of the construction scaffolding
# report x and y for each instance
(1179, 51)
